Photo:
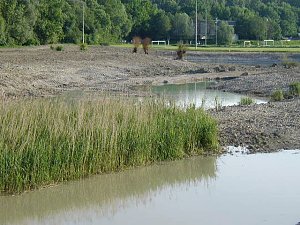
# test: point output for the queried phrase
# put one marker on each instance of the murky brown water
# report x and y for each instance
(229, 190)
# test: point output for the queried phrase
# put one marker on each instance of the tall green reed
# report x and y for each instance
(43, 142)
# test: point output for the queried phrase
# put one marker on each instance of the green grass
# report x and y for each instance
(289, 49)
(294, 89)
(43, 142)
(277, 95)
(58, 48)
(83, 47)
(246, 101)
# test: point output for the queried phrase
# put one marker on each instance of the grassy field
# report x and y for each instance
(43, 142)
(287, 48)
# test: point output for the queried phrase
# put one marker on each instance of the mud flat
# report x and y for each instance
(261, 128)
(42, 72)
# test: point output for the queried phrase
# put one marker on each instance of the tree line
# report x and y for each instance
(32, 22)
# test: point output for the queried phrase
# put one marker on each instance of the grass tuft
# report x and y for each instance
(294, 89)
(59, 48)
(83, 47)
(246, 101)
(277, 95)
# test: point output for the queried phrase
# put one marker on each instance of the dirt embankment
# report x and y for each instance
(261, 128)
(42, 72)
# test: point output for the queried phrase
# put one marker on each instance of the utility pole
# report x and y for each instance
(83, 21)
(216, 31)
(206, 25)
(196, 29)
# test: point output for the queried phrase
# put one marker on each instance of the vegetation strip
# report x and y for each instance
(44, 142)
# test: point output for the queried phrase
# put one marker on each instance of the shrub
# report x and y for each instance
(83, 46)
(290, 64)
(287, 63)
(294, 88)
(181, 50)
(277, 95)
(59, 48)
(246, 101)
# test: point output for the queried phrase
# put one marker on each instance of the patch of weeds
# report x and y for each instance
(83, 47)
(59, 48)
(288, 64)
(277, 96)
(294, 89)
(218, 103)
(246, 101)
(181, 50)
(104, 44)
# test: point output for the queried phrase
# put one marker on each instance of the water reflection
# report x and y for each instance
(198, 94)
(104, 194)
(244, 189)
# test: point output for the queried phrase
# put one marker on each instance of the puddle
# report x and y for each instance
(198, 94)
(229, 190)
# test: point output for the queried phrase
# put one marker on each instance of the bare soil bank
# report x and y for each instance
(42, 72)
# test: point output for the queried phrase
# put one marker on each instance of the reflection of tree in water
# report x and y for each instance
(108, 192)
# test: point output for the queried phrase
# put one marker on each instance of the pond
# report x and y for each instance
(198, 94)
(229, 190)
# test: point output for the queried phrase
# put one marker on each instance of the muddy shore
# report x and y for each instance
(42, 72)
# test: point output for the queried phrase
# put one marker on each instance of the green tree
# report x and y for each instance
(251, 26)
(2, 31)
(120, 23)
(160, 25)
(225, 33)
(49, 25)
(19, 22)
(289, 19)
(169, 6)
(97, 24)
(141, 12)
(182, 26)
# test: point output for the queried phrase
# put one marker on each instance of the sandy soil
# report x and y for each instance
(42, 72)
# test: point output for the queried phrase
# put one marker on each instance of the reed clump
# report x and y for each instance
(46, 142)
(246, 101)
(277, 95)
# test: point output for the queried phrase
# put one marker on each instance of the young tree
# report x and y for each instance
(2, 31)
(49, 26)
(182, 26)
(225, 33)
(160, 25)
(120, 23)
(141, 12)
